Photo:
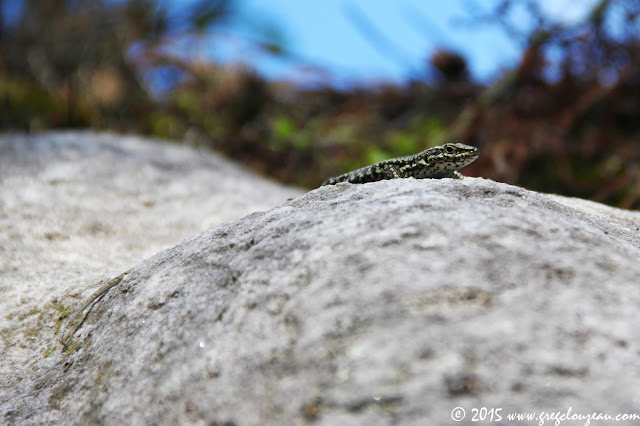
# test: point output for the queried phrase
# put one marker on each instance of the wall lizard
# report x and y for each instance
(438, 162)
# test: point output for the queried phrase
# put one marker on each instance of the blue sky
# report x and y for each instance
(324, 33)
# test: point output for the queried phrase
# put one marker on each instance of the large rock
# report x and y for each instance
(386, 303)
(78, 206)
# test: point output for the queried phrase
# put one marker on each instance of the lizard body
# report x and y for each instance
(437, 162)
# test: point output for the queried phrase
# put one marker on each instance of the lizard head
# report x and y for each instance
(442, 160)
(457, 153)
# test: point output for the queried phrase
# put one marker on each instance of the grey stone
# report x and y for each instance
(392, 302)
(76, 207)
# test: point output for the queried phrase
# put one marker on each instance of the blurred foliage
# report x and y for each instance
(566, 119)
(70, 58)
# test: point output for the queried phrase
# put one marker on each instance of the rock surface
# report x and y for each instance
(392, 302)
(76, 207)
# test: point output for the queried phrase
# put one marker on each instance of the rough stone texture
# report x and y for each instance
(386, 303)
(76, 207)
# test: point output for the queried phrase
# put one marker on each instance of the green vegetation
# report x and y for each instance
(95, 64)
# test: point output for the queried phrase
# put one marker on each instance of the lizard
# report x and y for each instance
(438, 162)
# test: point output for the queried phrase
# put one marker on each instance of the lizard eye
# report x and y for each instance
(449, 149)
